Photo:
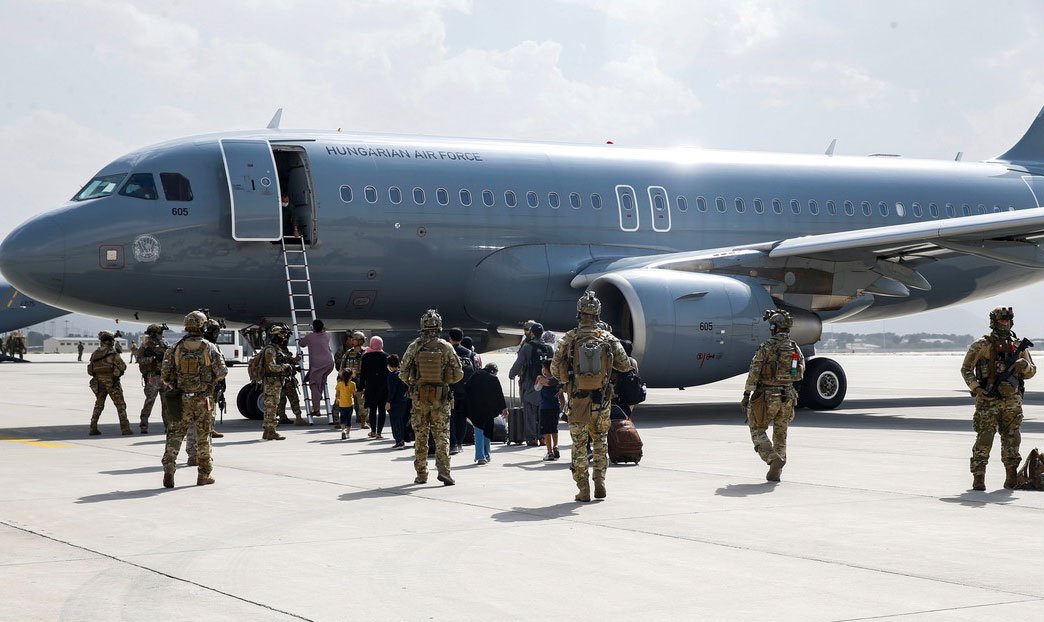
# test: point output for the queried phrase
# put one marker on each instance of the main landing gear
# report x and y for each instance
(251, 401)
(824, 385)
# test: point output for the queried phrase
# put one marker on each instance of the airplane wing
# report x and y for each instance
(825, 272)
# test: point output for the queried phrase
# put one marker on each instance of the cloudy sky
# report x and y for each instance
(87, 80)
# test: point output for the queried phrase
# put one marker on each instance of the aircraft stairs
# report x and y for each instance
(302, 314)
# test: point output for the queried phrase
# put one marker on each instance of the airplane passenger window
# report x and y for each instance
(933, 210)
(813, 207)
(418, 196)
(1011, 208)
(777, 206)
(395, 195)
(849, 208)
(740, 206)
(140, 186)
(628, 201)
(900, 209)
(996, 208)
(659, 202)
(867, 210)
(465, 197)
(596, 201)
(701, 204)
(487, 198)
(176, 187)
(532, 199)
(795, 206)
(574, 200)
(916, 207)
(683, 204)
(99, 187)
(759, 206)
(882, 207)
(720, 202)
(346, 194)
(950, 213)
(509, 198)
(981, 208)
(552, 200)
(442, 196)
(966, 209)
(371, 194)
(831, 208)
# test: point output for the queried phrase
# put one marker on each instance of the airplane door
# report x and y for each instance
(628, 205)
(253, 186)
(659, 209)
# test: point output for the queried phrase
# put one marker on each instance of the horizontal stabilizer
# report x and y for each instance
(1031, 147)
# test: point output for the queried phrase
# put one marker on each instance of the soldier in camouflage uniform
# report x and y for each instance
(210, 333)
(150, 360)
(280, 383)
(769, 395)
(105, 368)
(588, 409)
(352, 359)
(429, 367)
(995, 376)
(194, 366)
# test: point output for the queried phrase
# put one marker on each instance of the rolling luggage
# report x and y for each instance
(625, 445)
(516, 426)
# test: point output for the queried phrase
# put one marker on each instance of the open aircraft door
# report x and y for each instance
(253, 187)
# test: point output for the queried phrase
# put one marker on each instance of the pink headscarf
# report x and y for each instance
(376, 344)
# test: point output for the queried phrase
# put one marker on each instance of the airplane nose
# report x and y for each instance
(32, 258)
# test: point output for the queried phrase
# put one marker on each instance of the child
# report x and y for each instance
(398, 405)
(345, 393)
(549, 411)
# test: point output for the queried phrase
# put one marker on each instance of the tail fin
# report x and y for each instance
(1030, 149)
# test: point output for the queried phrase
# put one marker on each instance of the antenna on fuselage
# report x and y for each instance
(276, 118)
(830, 149)
(960, 154)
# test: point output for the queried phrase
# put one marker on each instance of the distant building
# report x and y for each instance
(67, 345)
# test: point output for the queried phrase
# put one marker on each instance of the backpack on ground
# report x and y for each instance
(630, 389)
(1031, 475)
(625, 445)
(592, 361)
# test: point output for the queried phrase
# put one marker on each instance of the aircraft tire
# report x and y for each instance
(246, 401)
(824, 386)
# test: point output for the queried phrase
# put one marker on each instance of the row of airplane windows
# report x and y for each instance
(554, 201)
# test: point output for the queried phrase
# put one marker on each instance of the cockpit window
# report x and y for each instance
(176, 187)
(140, 186)
(99, 187)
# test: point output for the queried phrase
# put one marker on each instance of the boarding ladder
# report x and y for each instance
(302, 314)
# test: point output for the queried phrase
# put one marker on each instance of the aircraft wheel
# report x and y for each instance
(824, 385)
(246, 401)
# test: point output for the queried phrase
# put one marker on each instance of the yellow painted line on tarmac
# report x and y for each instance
(33, 442)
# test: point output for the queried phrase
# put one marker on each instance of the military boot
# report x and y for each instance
(144, 425)
(125, 428)
(168, 477)
(94, 427)
(978, 481)
(585, 491)
(599, 488)
(191, 461)
(300, 420)
(446, 479)
(203, 480)
(775, 468)
(214, 434)
(1011, 476)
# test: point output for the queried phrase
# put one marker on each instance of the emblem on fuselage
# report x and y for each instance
(146, 248)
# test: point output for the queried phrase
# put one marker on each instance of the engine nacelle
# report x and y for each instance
(687, 328)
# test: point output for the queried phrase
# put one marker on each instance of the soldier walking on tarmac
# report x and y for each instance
(280, 383)
(995, 369)
(150, 361)
(429, 367)
(105, 368)
(583, 362)
(769, 395)
(192, 367)
(210, 335)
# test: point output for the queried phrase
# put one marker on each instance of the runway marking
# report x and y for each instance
(32, 441)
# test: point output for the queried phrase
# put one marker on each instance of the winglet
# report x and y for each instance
(276, 118)
(1031, 147)
(830, 149)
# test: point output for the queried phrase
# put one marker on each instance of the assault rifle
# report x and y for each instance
(1009, 364)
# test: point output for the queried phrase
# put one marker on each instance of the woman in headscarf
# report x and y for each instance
(374, 372)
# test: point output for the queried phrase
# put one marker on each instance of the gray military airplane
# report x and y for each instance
(686, 248)
(18, 310)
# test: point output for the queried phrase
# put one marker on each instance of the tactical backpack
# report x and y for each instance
(193, 367)
(429, 363)
(592, 361)
(256, 367)
(1031, 475)
(783, 363)
(150, 359)
(99, 364)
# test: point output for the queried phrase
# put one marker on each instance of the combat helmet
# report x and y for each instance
(155, 329)
(589, 305)
(105, 335)
(194, 322)
(431, 321)
(779, 320)
(1001, 313)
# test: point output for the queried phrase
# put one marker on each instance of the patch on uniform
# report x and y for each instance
(146, 248)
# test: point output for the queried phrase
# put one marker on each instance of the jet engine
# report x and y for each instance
(687, 328)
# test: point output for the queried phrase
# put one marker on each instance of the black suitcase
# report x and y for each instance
(516, 426)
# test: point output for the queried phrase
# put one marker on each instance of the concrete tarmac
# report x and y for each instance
(874, 518)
